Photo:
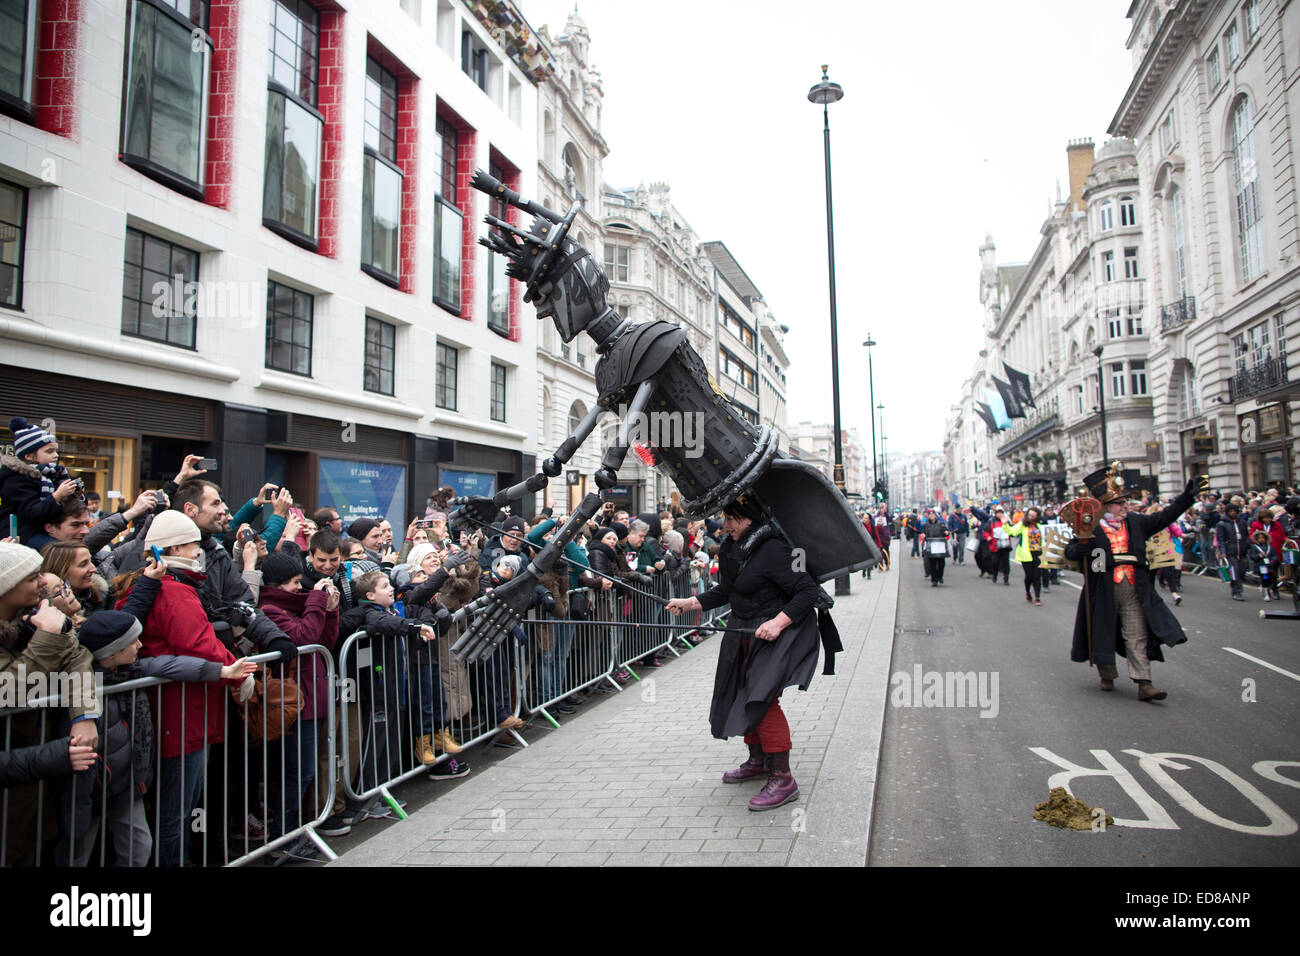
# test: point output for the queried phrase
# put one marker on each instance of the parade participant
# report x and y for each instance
(934, 530)
(1120, 611)
(1029, 551)
(995, 543)
(1270, 556)
(1233, 546)
(766, 594)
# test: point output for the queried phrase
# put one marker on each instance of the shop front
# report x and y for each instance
(1265, 446)
(1196, 446)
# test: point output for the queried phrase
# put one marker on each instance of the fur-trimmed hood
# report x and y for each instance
(557, 582)
(20, 467)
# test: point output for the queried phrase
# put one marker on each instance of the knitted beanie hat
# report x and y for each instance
(17, 561)
(171, 528)
(362, 527)
(415, 557)
(279, 567)
(107, 632)
(28, 437)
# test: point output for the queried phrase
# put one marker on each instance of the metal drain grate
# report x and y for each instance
(940, 631)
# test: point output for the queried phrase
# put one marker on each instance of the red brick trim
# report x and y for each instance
(219, 167)
(408, 158)
(55, 88)
(515, 304)
(330, 101)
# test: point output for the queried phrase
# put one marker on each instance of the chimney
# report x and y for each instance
(1080, 155)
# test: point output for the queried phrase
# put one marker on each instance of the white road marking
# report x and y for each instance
(1272, 667)
(1071, 584)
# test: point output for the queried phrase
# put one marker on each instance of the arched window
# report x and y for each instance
(577, 412)
(1245, 190)
(575, 87)
(1127, 211)
(1105, 216)
(548, 138)
(547, 418)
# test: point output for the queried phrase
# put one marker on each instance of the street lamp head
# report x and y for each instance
(825, 92)
(870, 341)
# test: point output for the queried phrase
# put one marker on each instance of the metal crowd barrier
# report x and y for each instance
(237, 798)
(395, 691)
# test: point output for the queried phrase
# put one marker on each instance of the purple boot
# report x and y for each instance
(755, 766)
(780, 788)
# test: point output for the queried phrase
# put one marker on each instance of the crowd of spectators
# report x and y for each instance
(174, 586)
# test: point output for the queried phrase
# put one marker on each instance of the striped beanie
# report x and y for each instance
(27, 437)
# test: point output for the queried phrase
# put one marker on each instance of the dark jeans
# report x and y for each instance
(936, 568)
(1001, 564)
(297, 770)
(1032, 576)
(180, 784)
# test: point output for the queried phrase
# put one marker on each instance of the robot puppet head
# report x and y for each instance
(560, 276)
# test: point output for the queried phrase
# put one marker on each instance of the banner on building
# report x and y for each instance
(999, 410)
(362, 489)
(1020, 384)
(986, 413)
(1013, 406)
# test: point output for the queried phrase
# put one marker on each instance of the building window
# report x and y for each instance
(381, 186)
(617, 262)
(1252, 19)
(1180, 241)
(1117, 379)
(1245, 187)
(1232, 43)
(1105, 217)
(1134, 323)
(1279, 336)
(1078, 399)
(1138, 376)
(1254, 346)
(13, 229)
(498, 403)
(288, 329)
(17, 56)
(165, 102)
(1130, 263)
(380, 351)
(474, 59)
(448, 360)
(1127, 211)
(498, 298)
(1108, 266)
(159, 280)
(447, 220)
(1167, 134)
(1212, 69)
(293, 124)
(1114, 324)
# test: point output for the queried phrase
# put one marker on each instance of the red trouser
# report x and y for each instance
(772, 732)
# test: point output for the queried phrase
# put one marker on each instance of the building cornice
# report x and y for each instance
(288, 384)
(1175, 34)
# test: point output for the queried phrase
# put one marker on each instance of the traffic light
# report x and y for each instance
(881, 490)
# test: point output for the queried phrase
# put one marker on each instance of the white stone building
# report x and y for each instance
(1212, 107)
(265, 252)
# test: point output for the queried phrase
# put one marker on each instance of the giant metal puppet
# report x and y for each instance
(645, 369)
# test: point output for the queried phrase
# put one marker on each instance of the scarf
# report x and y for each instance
(52, 475)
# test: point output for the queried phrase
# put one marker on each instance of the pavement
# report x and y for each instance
(635, 780)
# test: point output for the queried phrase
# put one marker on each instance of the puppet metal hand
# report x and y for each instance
(504, 609)
(475, 507)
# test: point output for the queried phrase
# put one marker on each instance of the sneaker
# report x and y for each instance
(1238, 597)
(1039, 603)
(622, 675)
(1178, 599)
(334, 826)
(303, 851)
(565, 709)
(448, 769)
(443, 740)
(380, 810)
(354, 815)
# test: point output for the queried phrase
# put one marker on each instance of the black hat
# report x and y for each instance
(362, 527)
(619, 528)
(279, 567)
(744, 507)
(514, 525)
(1106, 484)
(107, 632)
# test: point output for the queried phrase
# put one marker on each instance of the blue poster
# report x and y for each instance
(363, 489)
(469, 482)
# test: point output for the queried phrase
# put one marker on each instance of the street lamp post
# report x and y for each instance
(1101, 395)
(871, 384)
(825, 93)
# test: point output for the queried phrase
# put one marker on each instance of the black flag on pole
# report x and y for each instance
(1020, 382)
(1009, 399)
(986, 413)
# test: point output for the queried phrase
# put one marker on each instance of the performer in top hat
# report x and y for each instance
(1127, 615)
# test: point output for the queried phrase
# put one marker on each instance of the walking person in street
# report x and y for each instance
(757, 577)
(1232, 544)
(1029, 551)
(959, 528)
(996, 542)
(1119, 611)
(934, 538)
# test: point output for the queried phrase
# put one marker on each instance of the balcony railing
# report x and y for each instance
(1177, 314)
(1265, 376)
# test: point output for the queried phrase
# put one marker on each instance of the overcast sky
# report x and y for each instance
(954, 124)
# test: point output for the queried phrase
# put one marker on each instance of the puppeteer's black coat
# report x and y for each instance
(1107, 636)
(758, 579)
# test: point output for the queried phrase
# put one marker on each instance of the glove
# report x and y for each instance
(1198, 485)
(442, 621)
(287, 648)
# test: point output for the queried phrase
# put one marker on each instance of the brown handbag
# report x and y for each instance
(274, 706)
